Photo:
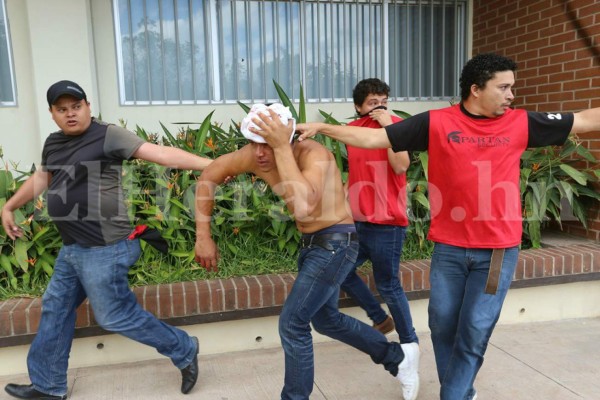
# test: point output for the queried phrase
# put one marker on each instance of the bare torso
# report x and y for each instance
(332, 207)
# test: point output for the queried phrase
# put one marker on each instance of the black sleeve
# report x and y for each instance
(411, 134)
(547, 129)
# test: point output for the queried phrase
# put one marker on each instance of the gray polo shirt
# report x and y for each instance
(85, 196)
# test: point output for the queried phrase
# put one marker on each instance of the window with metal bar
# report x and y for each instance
(223, 51)
(7, 79)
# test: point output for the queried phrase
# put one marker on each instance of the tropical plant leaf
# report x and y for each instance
(170, 137)
(424, 159)
(421, 199)
(535, 234)
(525, 173)
(203, 132)
(141, 132)
(566, 190)
(585, 191)
(581, 213)
(568, 148)
(329, 118)
(21, 254)
(244, 107)
(6, 182)
(578, 176)
(585, 153)
(6, 265)
(402, 114)
(285, 100)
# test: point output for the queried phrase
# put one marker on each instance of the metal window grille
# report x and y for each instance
(223, 51)
(7, 78)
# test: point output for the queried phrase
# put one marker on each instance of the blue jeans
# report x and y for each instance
(461, 315)
(99, 273)
(314, 298)
(382, 244)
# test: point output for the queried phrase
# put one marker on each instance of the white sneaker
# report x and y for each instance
(408, 371)
(474, 396)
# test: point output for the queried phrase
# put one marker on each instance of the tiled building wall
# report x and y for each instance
(556, 44)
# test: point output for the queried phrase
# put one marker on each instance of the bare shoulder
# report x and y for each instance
(312, 150)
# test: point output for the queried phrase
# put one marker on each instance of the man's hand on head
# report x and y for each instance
(270, 127)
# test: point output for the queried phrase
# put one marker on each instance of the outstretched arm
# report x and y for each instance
(31, 188)
(171, 157)
(356, 136)
(586, 121)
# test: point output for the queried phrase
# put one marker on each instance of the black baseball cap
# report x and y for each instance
(64, 87)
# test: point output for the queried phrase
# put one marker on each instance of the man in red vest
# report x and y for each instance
(474, 152)
(377, 196)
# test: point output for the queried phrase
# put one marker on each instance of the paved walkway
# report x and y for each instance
(537, 361)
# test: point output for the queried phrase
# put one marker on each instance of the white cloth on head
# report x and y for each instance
(284, 115)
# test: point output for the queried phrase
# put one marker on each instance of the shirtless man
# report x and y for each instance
(306, 177)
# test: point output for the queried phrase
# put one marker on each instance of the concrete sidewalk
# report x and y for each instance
(537, 361)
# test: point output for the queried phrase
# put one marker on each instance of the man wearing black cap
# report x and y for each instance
(81, 169)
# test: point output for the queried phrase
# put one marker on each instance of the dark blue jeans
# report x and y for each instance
(382, 244)
(314, 298)
(100, 273)
(461, 315)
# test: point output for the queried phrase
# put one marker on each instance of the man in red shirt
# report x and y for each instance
(377, 196)
(474, 152)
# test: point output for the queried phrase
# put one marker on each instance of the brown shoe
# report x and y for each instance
(386, 326)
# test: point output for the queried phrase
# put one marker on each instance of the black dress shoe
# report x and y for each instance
(189, 374)
(28, 392)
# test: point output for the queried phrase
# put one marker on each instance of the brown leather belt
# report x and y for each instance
(491, 287)
(322, 240)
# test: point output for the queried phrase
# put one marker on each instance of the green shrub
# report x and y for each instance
(552, 188)
(251, 225)
(26, 264)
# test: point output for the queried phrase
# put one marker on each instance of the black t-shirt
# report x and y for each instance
(85, 197)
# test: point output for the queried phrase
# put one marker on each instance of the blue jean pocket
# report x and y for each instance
(328, 266)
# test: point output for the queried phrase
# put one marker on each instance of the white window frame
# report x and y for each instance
(9, 61)
(215, 53)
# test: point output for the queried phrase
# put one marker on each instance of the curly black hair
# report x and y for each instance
(480, 69)
(367, 87)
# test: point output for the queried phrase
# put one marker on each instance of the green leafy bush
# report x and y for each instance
(552, 188)
(26, 264)
(251, 225)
